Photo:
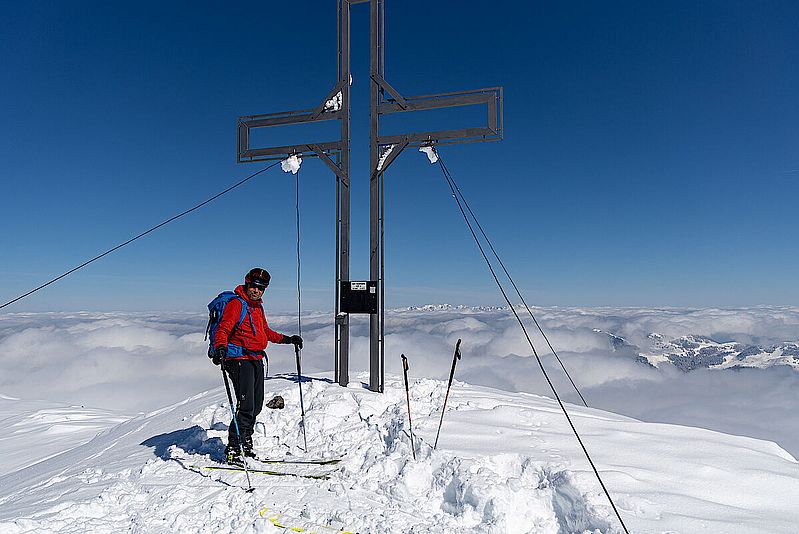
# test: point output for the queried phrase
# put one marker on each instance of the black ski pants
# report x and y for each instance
(248, 383)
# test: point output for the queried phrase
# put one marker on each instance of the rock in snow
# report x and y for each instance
(506, 462)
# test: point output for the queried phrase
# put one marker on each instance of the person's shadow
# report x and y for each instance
(192, 440)
(292, 377)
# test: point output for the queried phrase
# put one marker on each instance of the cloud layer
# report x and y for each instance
(141, 362)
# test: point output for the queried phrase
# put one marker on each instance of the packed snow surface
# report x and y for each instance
(506, 462)
(36, 430)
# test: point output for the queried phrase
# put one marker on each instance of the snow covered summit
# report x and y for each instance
(506, 462)
(695, 352)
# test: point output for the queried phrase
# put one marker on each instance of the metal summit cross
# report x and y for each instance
(335, 153)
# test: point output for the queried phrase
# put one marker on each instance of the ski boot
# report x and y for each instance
(247, 448)
(233, 456)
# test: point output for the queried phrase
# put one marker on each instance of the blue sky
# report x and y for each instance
(651, 152)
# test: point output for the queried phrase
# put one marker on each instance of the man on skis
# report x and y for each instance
(239, 346)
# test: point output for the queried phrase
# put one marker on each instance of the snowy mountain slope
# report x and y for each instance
(36, 430)
(690, 352)
(693, 352)
(506, 463)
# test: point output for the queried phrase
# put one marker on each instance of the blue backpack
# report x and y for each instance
(215, 310)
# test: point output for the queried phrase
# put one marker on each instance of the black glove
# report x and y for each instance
(294, 340)
(219, 355)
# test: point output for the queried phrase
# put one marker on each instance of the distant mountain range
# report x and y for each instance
(688, 353)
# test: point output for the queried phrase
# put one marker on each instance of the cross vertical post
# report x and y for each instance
(335, 154)
(385, 99)
(376, 349)
(341, 327)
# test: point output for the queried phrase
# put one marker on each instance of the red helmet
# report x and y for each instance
(258, 277)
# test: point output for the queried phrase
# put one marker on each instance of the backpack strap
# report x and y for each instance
(235, 351)
(245, 310)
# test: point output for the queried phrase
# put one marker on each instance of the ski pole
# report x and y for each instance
(408, 396)
(236, 426)
(302, 406)
(455, 359)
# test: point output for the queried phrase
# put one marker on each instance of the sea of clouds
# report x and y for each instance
(134, 362)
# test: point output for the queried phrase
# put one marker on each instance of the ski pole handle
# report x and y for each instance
(455, 358)
(404, 362)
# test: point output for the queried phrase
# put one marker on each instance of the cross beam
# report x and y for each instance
(335, 153)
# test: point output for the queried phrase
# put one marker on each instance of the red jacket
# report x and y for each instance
(253, 334)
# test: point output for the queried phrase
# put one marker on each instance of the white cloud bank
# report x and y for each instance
(140, 362)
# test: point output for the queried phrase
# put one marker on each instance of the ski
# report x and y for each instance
(296, 524)
(320, 461)
(321, 476)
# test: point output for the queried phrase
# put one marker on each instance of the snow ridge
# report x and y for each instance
(506, 464)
